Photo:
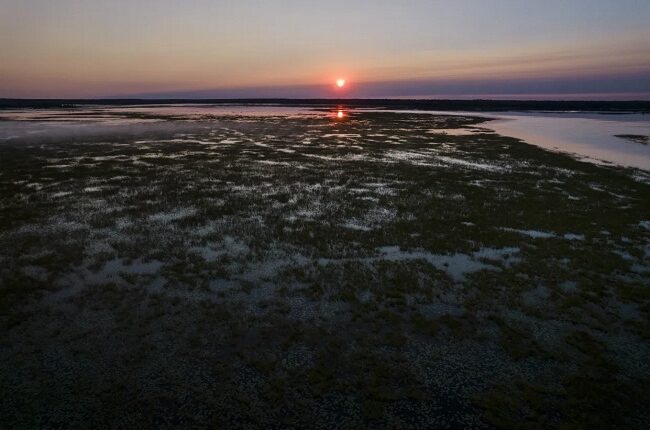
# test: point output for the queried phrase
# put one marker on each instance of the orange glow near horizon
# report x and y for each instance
(340, 114)
(130, 51)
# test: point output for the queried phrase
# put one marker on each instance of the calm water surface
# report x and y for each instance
(589, 136)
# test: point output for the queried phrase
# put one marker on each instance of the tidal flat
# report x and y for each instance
(305, 270)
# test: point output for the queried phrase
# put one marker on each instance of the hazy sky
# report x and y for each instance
(297, 48)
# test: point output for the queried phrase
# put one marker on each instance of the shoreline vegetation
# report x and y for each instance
(636, 138)
(380, 270)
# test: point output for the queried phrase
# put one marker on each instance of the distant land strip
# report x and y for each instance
(438, 104)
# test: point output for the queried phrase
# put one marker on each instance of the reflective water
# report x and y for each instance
(589, 136)
(142, 113)
(110, 121)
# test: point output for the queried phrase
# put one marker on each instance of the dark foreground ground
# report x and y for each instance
(383, 271)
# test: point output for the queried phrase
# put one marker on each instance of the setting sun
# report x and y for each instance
(352, 213)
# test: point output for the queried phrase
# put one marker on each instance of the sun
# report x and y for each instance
(340, 82)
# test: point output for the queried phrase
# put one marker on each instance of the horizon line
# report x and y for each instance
(503, 98)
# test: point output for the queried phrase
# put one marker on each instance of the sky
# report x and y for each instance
(562, 49)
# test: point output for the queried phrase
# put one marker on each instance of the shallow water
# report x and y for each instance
(158, 254)
(589, 136)
(108, 120)
(139, 113)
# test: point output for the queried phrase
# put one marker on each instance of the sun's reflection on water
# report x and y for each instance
(340, 113)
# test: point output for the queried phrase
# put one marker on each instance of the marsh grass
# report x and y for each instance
(294, 272)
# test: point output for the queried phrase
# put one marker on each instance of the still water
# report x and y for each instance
(588, 136)
(591, 137)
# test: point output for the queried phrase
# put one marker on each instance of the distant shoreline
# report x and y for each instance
(611, 107)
